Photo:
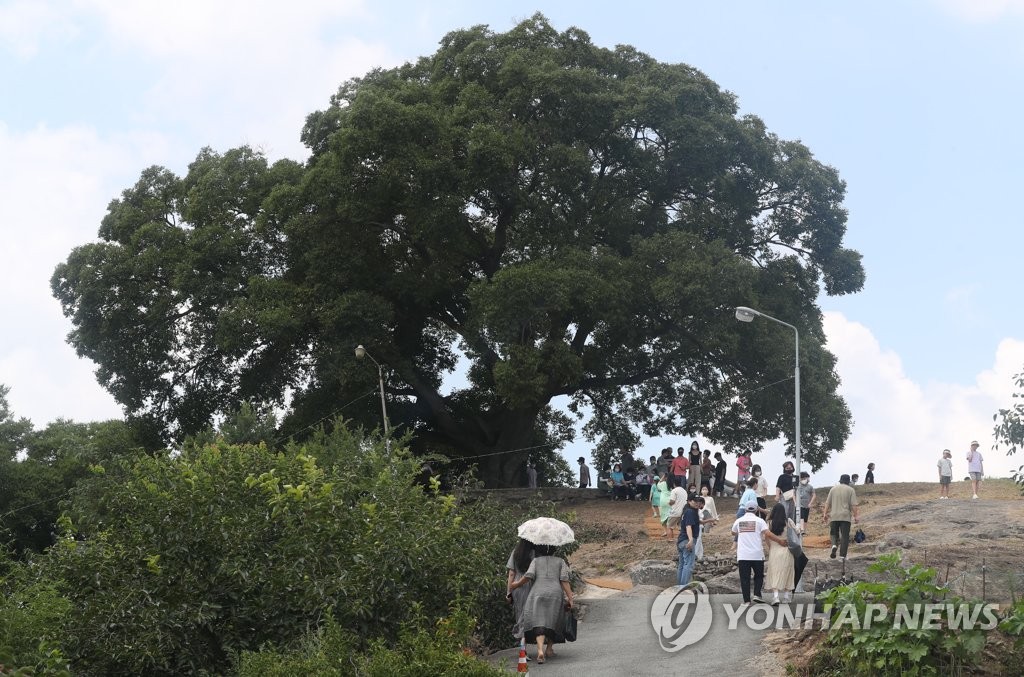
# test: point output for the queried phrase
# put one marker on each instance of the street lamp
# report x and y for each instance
(744, 314)
(361, 353)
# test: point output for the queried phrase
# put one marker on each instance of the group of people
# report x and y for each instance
(975, 470)
(539, 591)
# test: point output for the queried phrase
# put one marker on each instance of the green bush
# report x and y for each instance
(179, 565)
(883, 649)
(334, 651)
(31, 618)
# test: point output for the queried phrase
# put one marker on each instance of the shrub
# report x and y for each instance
(419, 650)
(31, 617)
(178, 565)
(882, 648)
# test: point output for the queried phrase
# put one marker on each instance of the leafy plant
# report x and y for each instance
(176, 565)
(888, 648)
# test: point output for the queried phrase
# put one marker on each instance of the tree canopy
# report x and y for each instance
(569, 221)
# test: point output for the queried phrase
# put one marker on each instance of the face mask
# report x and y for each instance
(757, 474)
(804, 481)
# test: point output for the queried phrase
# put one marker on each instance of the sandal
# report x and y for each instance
(540, 659)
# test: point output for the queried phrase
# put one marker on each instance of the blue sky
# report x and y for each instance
(915, 103)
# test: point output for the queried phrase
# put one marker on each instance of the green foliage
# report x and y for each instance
(175, 565)
(1009, 428)
(12, 430)
(886, 648)
(56, 459)
(575, 223)
(32, 616)
(333, 651)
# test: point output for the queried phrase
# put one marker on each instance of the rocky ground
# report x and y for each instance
(975, 545)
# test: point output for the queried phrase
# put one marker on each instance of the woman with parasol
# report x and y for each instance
(550, 596)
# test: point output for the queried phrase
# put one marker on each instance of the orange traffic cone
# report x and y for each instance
(522, 668)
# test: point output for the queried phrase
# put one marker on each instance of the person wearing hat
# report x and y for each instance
(750, 536)
(975, 467)
(584, 473)
(689, 533)
(840, 508)
(945, 465)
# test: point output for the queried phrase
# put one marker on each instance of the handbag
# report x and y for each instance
(569, 631)
(796, 548)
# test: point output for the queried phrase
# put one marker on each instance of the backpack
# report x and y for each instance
(860, 536)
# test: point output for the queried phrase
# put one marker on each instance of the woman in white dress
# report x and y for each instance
(781, 565)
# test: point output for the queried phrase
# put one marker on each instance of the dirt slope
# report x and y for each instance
(958, 535)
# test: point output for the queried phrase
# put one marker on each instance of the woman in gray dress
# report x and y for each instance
(550, 598)
(518, 563)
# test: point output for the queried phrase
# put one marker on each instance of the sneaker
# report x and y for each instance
(833, 553)
(745, 604)
(975, 497)
(775, 600)
(842, 558)
(757, 599)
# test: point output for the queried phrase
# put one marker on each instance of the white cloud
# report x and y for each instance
(902, 426)
(242, 72)
(54, 188)
(983, 10)
(25, 24)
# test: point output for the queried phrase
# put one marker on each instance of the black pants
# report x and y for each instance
(839, 534)
(798, 568)
(746, 566)
(643, 492)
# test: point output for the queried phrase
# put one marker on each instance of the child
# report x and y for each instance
(945, 473)
(656, 496)
(806, 499)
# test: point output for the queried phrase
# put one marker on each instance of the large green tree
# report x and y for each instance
(575, 222)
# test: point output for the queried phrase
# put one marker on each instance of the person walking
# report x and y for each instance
(806, 499)
(721, 468)
(710, 514)
(549, 600)
(656, 484)
(840, 508)
(584, 473)
(679, 466)
(695, 459)
(676, 504)
(780, 575)
(689, 532)
(518, 564)
(664, 496)
(749, 530)
(975, 467)
(945, 465)
(785, 490)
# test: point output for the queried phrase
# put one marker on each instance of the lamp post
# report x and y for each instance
(361, 353)
(744, 314)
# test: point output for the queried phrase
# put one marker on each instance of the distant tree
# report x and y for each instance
(57, 458)
(1009, 428)
(12, 430)
(573, 221)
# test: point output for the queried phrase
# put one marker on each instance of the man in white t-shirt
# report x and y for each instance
(750, 530)
(676, 505)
